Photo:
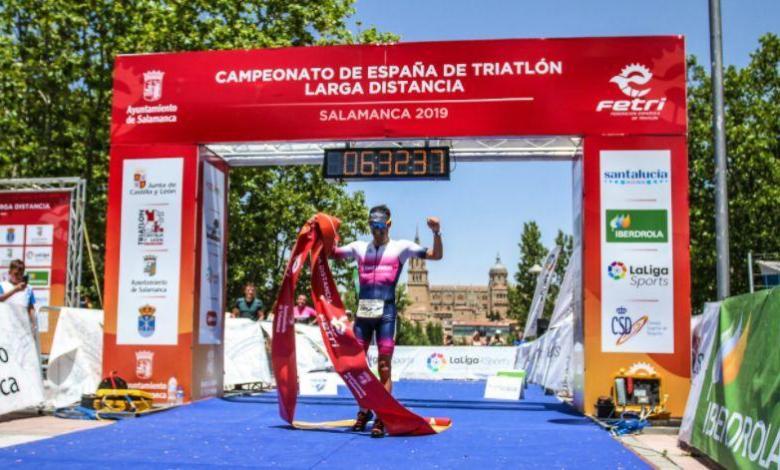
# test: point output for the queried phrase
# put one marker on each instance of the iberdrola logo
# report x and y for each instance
(622, 221)
(728, 361)
(436, 362)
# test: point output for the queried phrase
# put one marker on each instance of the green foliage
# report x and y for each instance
(410, 333)
(56, 62)
(267, 208)
(435, 334)
(531, 252)
(752, 105)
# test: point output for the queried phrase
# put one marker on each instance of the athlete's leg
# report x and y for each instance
(385, 340)
(364, 331)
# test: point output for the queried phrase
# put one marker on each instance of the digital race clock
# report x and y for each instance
(387, 163)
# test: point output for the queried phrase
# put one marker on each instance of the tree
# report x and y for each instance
(434, 333)
(531, 252)
(56, 63)
(267, 208)
(752, 105)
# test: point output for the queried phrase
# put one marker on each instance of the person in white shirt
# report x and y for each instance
(15, 290)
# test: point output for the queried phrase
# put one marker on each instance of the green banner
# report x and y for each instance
(637, 226)
(737, 420)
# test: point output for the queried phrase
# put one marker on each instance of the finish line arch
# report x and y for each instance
(617, 106)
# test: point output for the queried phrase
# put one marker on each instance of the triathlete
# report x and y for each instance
(379, 266)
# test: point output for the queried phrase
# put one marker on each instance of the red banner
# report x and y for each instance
(318, 239)
(628, 85)
(34, 228)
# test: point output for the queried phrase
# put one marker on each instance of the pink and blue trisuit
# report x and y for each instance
(379, 269)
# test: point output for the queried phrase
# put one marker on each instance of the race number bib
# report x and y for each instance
(370, 308)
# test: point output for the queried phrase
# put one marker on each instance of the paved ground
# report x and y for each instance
(22, 427)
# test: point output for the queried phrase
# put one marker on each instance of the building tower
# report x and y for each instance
(498, 290)
(417, 287)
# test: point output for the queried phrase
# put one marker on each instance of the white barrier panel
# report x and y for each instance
(246, 358)
(448, 362)
(503, 388)
(75, 360)
(559, 352)
(702, 336)
(21, 384)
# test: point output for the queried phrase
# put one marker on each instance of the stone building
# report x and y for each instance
(459, 309)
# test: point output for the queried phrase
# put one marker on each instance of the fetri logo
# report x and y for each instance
(633, 80)
(436, 362)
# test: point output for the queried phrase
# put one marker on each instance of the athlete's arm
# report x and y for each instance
(437, 252)
(344, 252)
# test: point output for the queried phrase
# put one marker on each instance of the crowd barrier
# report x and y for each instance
(75, 361)
(21, 385)
(733, 410)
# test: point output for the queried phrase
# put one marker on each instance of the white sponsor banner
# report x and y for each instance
(12, 235)
(37, 257)
(320, 383)
(702, 337)
(559, 351)
(21, 384)
(211, 256)
(75, 360)
(150, 251)
(8, 254)
(39, 235)
(448, 362)
(503, 388)
(637, 295)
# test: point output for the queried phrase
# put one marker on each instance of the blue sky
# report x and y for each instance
(484, 206)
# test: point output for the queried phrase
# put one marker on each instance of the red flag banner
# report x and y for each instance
(317, 240)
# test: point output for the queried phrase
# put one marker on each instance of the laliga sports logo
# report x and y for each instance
(632, 81)
(633, 74)
(730, 354)
(153, 82)
(436, 362)
(617, 270)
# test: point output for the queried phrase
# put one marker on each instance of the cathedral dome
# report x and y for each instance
(498, 268)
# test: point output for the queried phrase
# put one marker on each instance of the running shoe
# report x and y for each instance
(363, 417)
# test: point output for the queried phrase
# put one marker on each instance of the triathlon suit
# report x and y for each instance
(379, 270)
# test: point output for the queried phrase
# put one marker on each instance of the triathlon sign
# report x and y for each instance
(625, 97)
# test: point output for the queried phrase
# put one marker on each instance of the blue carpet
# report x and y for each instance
(247, 432)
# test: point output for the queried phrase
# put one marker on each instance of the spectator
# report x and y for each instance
(476, 339)
(249, 306)
(15, 290)
(302, 312)
(448, 341)
(497, 340)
